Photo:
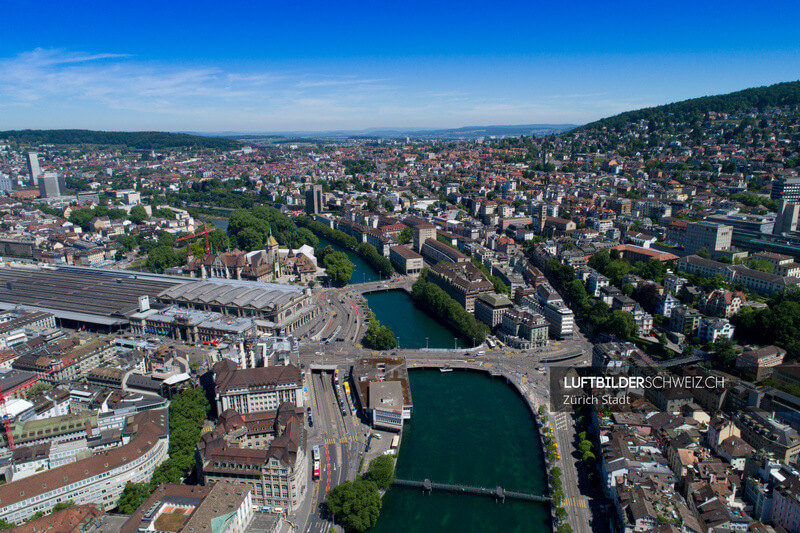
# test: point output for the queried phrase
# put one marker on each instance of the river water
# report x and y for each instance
(411, 325)
(467, 429)
(362, 272)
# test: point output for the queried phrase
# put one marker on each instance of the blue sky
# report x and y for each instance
(263, 66)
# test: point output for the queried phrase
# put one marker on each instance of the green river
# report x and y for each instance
(470, 429)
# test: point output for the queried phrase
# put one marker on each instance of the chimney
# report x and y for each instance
(144, 303)
(88, 425)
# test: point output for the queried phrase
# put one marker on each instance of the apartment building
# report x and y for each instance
(98, 479)
(763, 432)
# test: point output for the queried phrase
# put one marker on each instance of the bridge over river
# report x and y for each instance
(498, 492)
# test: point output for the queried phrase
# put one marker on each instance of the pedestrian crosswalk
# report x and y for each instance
(341, 440)
(575, 502)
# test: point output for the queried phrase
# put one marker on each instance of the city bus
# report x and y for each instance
(316, 463)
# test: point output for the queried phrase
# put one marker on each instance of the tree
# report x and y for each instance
(381, 471)
(60, 506)
(627, 289)
(379, 337)
(576, 291)
(762, 265)
(405, 236)
(162, 258)
(338, 266)
(218, 240)
(250, 239)
(198, 249)
(138, 214)
(704, 253)
(355, 504)
(621, 324)
(726, 352)
(133, 496)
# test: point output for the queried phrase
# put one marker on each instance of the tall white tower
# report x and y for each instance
(33, 167)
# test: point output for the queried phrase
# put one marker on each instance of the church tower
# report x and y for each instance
(273, 256)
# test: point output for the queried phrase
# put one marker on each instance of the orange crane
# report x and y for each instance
(204, 232)
(6, 394)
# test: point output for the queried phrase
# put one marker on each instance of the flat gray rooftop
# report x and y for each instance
(94, 292)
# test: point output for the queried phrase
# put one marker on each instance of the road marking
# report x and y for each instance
(576, 502)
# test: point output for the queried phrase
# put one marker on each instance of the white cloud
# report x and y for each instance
(58, 88)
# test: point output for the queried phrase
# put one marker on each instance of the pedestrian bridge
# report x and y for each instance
(498, 492)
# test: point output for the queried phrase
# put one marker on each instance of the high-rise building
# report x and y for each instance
(787, 219)
(51, 185)
(712, 236)
(786, 189)
(34, 171)
(314, 200)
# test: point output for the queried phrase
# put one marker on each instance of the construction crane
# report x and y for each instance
(24, 385)
(204, 232)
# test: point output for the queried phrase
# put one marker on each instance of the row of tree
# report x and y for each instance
(357, 504)
(143, 140)
(440, 304)
(777, 324)
(187, 412)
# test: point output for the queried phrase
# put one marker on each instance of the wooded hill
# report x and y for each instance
(140, 140)
(759, 98)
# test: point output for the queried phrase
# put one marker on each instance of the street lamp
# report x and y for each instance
(398, 342)
(426, 343)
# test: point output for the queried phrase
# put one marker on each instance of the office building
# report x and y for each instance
(275, 470)
(490, 308)
(51, 185)
(314, 200)
(786, 189)
(406, 260)
(422, 231)
(522, 328)
(34, 171)
(435, 252)
(712, 236)
(788, 215)
(250, 390)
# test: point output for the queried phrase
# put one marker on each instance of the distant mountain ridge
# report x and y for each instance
(141, 140)
(759, 98)
(464, 133)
